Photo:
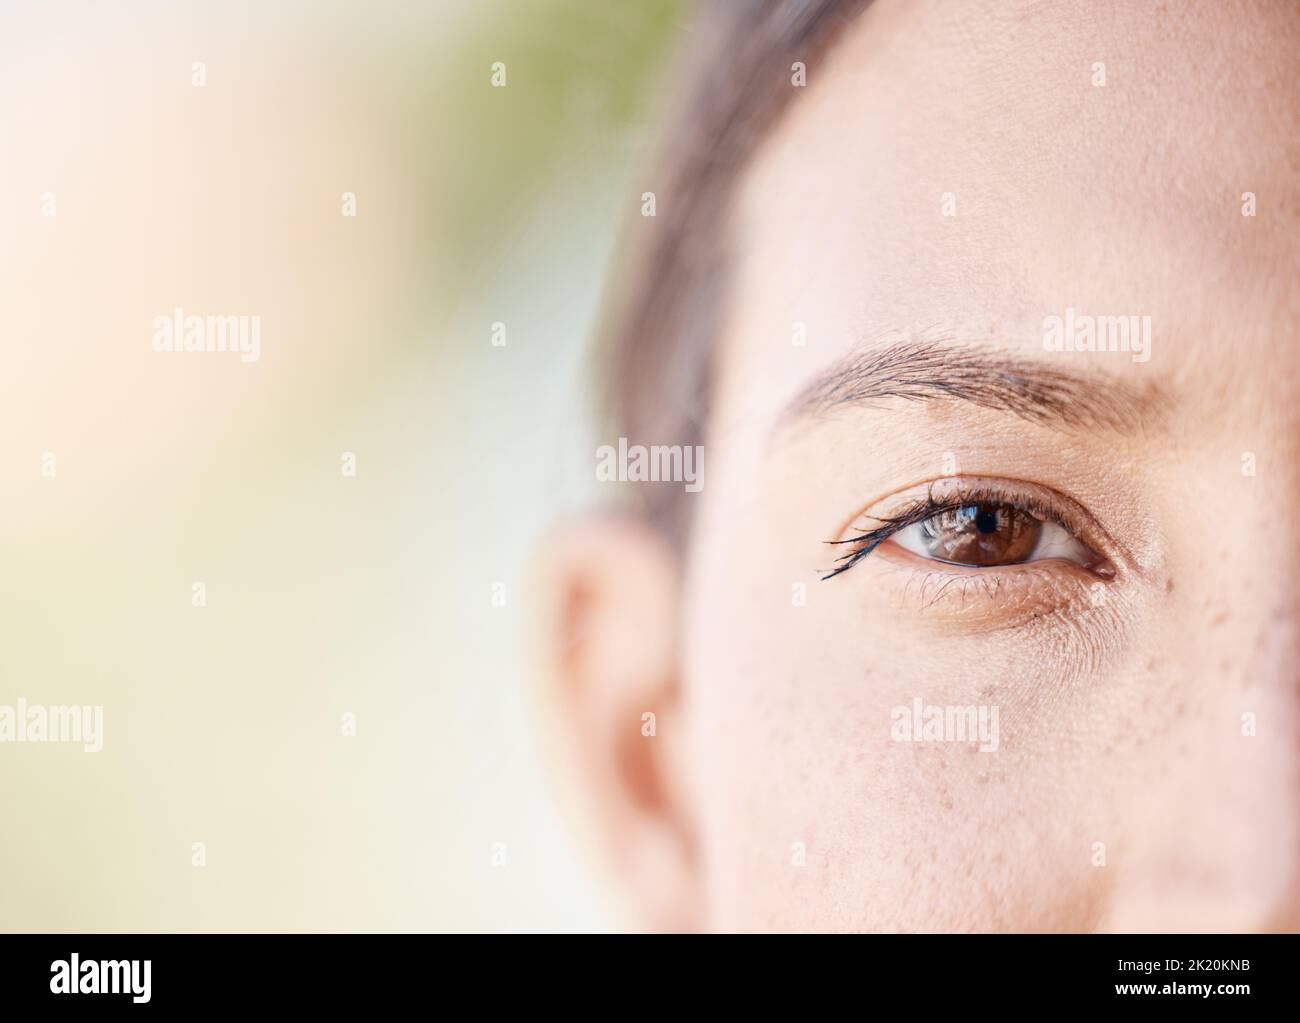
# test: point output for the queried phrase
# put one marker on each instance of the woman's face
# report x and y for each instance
(1107, 588)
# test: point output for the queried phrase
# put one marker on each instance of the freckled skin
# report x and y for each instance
(1115, 199)
(1147, 773)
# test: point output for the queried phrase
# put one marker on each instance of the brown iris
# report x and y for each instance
(981, 535)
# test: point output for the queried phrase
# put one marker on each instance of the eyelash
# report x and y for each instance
(927, 507)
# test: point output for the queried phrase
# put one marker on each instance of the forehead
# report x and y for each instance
(970, 170)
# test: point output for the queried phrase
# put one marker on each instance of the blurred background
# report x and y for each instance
(196, 155)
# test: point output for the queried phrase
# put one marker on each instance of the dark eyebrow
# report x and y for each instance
(991, 378)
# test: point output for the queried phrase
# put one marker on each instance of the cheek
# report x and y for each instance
(814, 814)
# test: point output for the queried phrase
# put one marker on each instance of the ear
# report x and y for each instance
(608, 645)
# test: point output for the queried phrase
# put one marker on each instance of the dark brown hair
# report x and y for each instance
(665, 311)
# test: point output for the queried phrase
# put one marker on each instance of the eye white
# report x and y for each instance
(1054, 542)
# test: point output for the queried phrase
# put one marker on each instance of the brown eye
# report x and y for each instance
(979, 535)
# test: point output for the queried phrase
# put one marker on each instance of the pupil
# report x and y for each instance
(986, 521)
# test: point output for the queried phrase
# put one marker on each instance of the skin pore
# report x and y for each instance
(950, 178)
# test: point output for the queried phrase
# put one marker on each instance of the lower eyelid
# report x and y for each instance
(1011, 596)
